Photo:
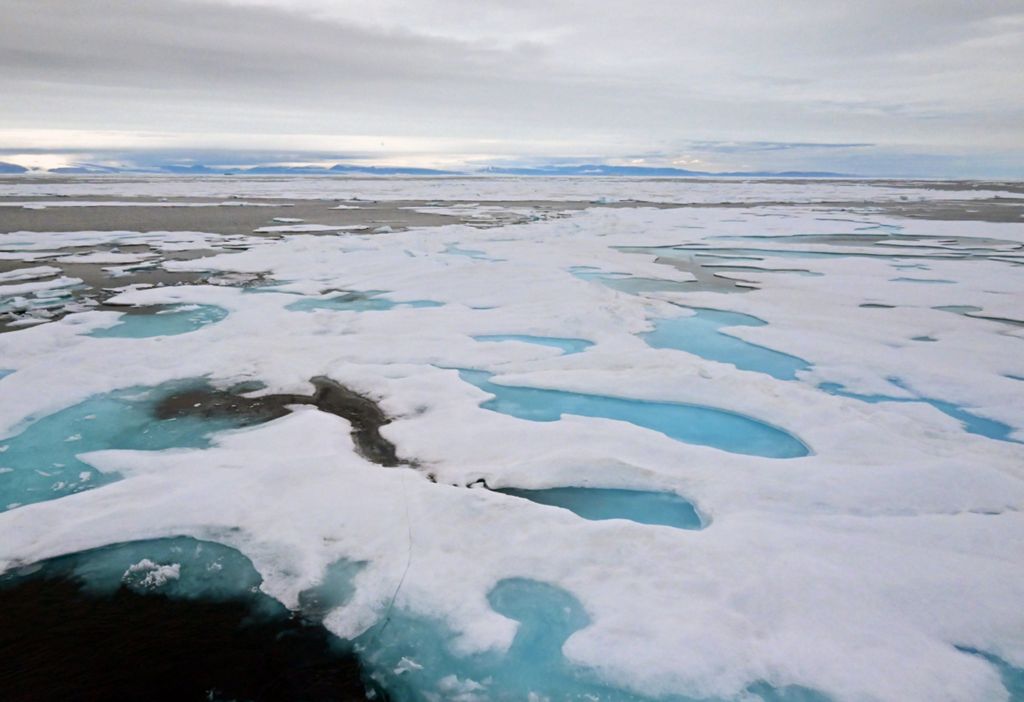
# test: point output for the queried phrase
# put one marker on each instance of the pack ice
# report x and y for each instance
(759, 477)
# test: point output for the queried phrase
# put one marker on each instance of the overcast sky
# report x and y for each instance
(929, 87)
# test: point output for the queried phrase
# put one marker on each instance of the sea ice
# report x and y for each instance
(566, 345)
(690, 423)
(169, 322)
(635, 505)
(878, 563)
(44, 455)
(701, 333)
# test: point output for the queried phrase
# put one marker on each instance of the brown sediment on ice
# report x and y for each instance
(96, 287)
(231, 217)
(361, 412)
(228, 218)
(399, 215)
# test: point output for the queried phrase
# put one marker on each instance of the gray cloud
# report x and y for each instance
(498, 78)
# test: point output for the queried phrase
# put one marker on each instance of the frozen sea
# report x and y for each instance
(514, 438)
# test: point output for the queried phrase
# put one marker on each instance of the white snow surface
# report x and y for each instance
(856, 570)
(24, 245)
(37, 286)
(46, 204)
(33, 273)
(105, 257)
(293, 228)
(705, 190)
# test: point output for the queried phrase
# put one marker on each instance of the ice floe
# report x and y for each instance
(880, 562)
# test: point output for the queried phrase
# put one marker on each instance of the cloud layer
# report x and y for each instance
(479, 80)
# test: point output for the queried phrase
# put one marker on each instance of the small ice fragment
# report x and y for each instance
(406, 664)
(451, 683)
(152, 574)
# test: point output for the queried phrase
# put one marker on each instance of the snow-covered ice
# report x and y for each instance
(878, 563)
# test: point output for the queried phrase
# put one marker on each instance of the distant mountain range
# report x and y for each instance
(339, 169)
(646, 171)
(590, 169)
